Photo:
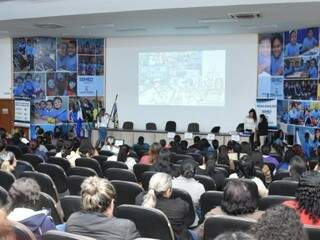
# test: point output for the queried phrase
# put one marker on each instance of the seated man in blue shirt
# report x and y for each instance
(313, 70)
(292, 48)
(71, 57)
(309, 41)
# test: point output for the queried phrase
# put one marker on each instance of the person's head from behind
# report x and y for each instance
(215, 144)
(246, 167)
(245, 148)
(33, 145)
(154, 151)
(177, 138)
(308, 194)
(279, 223)
(297, 166)
(235, 236)
(141, 140)
(187, 170)
(257, 159)
(24, 193)
(163, 143)
(288, 155)
(86, 147)
(123, 153)
(237, 198)
(160, 185)
(263, 118)
(97, 195)
(110, 140)
(223, 158)
(184, 145)
(266, 149)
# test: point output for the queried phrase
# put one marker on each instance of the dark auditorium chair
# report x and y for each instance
(101, 159)
(171, 126)
(74, 184)
(216, 225)
(113, 164)
(269, 201)
(210, 200)
(145, 179)
(139, 169)
(179, 193)
(312, 232)
(193, 127)
(22, 232)
(215, 129)
(281, 174)
(120, 174)
(106, 153)
(21, 167)
(126, 191)
(15, 149)
(222, 170)
(146, 221)
(151, 126)
(179, 158)
(50, 147)
(6, 179)
(82, 171)
(33, 159)
(251, 185)
(45, 182)
(64, 163)
(70, 204)
(283, 188)
(56, 173)
(127, 125)
(89, 163)
(207, 182)
(59, 235)
(196, 157)
(47, 202)
(3, 197)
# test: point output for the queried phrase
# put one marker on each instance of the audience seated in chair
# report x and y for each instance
(279, 223)
(284, 164)
(7, 159)
(34, 149)
(74, 152)
(258, 162)
(123, 156)
(307, 203)
(25, 198)
(267, 158)
(96, 218)
(159, 197)
(237, 201)
(153, 155)
(247, 170)
(109, 145)
(296, 168)
(141, 147)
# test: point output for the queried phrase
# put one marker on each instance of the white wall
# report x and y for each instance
(5, 68)
(241, 80)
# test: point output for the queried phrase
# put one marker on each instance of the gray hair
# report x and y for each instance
(96, 194)
(159, 183)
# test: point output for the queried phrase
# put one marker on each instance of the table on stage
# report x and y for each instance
(130, 137)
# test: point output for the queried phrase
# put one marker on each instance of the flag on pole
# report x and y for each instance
(115, 118)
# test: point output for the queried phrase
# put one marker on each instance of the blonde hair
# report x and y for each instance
(154, 152)
(159, 183)
(96, 194)
(6, 165)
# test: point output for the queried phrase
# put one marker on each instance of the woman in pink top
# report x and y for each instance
(153, 155)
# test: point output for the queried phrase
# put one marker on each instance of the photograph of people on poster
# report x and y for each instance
(87, 65)
(310, 41)
(99, 46)
(61, 84)
(100, 65)
(66, 54)
(45, 57)
(264, 58)
(87, 46)
(292, 44)
(276, 54)
(300, 89)
(270, 87)
(282, 111)
(24, 50)
(31, 85)
(301, 67)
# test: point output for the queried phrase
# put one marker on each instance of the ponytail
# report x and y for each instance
(150, 199)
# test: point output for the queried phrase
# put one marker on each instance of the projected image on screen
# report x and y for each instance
(185, 78)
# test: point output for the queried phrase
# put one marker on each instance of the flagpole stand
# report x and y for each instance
(114, 114)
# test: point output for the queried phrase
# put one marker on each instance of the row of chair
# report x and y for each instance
(171, 126)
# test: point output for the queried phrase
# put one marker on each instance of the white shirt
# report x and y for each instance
(249, 124)
(73, 157)
(130, 161)
(103, 122)
(110, 148)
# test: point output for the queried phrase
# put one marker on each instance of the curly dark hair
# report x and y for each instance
(24, 193)
(308, 194)
(279, 223)
(237, 198)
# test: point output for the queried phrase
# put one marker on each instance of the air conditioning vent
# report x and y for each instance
(48, 25)
(245, 15)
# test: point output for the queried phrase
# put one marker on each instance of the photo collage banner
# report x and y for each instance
(288, 70)
(63, 77)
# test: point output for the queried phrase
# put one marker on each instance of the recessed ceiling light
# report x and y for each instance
(48, 25)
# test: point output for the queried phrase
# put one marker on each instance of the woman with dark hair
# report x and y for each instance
(223, 157)
(307, 203)
(284, 164)
(34, 149)
(187, 183)
(73, 152)
(262, 129)
(237, 201)
(277, 55)
(250, 124)
(212, 172)
(258, 163)
(123, 156)
(25, 201)
(296, 168)
(247, 170)
(279, 223)
(153, 155)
